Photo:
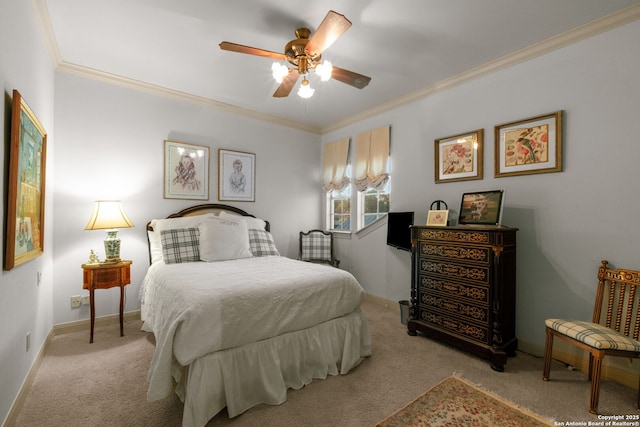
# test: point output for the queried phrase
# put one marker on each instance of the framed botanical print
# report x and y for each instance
(26, 192)
(186, 171)
(459, 157)
(236, 176)
(529, 146)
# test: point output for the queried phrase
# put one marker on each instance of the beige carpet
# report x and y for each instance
(104, 383)
(455, 402)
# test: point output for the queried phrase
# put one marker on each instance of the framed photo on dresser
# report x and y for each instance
(483, 207)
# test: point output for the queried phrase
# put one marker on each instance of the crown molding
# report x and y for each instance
(180, 96)
(559, 41)
(590, 29)
(43, 20)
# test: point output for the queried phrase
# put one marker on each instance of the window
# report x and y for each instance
(340, 210)
(372, 204)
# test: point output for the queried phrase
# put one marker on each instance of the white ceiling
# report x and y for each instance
(408, 47)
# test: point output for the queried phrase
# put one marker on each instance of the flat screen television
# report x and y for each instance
(398, 230)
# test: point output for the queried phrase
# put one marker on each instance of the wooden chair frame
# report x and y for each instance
(622, 315)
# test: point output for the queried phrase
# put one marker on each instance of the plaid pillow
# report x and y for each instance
(180, 245)
(316, 247)
(261, 242)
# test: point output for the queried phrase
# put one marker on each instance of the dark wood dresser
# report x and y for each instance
(463, 289)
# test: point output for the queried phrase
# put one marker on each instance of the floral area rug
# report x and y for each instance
(455, 402)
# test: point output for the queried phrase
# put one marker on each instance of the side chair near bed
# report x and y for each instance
(613, 331)
(317, 246)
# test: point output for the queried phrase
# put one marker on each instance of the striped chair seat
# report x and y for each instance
(594, 335)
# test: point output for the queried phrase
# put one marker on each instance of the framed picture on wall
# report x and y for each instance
(459, 157)
(27, 176)
(529, 146)
(186, 171)
(236, 176)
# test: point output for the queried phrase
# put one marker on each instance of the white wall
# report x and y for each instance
(25, 307)
(110, 145)
(569, 221)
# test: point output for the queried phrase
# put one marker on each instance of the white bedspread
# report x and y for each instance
(195, 309)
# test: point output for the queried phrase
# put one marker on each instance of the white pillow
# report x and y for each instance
(159, 225)
(252, 223)
(224, 239)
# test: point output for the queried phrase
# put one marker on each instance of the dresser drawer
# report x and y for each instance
(452, 251)
(478, 294)
(459, 326)
(477, 273)
(458, 308)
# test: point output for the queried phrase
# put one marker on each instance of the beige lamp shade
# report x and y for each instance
(108, 214)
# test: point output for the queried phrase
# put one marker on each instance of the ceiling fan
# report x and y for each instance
(306, 54)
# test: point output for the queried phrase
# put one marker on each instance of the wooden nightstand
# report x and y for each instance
(105, 276)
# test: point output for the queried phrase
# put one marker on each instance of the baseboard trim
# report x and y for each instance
(579, 360)
(382, 301)
(60, 329)
(85, 324)
(28, 381)
(622, 376)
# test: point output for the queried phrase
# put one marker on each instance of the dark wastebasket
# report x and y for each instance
(404, 311)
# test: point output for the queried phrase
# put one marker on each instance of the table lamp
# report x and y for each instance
(108, 215)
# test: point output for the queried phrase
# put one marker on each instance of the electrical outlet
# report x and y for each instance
(76, 300)
(85, 300)
(28, 341)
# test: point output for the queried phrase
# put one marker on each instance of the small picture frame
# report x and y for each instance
(459, 157)
(529, 146)
(24, 239)
(437, 218)
(237, 174)
(483, 207)
(186, 171)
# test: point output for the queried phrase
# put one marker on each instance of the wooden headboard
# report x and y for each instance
(214, 208)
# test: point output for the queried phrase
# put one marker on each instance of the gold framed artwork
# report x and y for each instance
(437, 218)
(529, 146)
(186, 171)
(236, 176)
(459, 157)
(26, 192)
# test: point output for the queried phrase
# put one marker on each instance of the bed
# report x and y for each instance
(243, 326)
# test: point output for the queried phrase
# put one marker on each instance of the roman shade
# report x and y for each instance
(336, 156)
(372, 159)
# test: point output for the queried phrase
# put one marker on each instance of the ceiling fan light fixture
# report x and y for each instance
(305, 91)
(324, 70)
(279, 71)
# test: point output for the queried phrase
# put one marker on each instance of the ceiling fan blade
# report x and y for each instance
(234, 47)
(287, 84)
(332, 26)
(349, 77)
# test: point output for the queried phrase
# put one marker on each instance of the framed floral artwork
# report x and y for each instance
(26, 201)
(236, 176)
(459, 157)
(186, 171)
(529, 146)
